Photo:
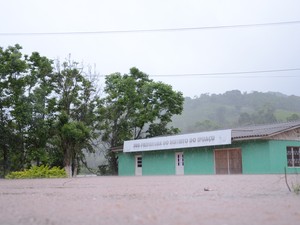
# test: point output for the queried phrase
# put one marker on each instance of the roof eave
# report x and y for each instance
(248, 138)
(282, 131)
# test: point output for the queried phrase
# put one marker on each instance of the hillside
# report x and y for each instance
(233, 108)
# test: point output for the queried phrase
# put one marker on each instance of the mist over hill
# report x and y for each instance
(234, 108)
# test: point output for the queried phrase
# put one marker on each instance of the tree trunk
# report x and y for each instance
(113, 163)
(68, 161)
(75, 167)
(68, 169)
(5, 161)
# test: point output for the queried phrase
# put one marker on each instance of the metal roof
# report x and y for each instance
(263, 131)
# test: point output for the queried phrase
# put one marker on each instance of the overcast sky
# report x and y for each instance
(213, 48)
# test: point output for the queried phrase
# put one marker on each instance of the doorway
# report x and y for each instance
(179, 163)
(228, 161)
(138, 165)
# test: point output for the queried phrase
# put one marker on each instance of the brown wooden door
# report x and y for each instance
(228, 161)
(221, 162)
(235, 161)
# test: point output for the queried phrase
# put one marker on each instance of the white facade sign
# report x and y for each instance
(211, 138)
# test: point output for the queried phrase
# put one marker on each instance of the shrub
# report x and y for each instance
(103, 170)
(296, 188)
(38, 172)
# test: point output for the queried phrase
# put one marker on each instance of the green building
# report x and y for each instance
(263, 149)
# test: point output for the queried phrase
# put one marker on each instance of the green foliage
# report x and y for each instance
(47, 116)
(136, 107)
(103, 170)
(76, 124)
(75, 131)
(293, 117)
(25, 116)
(38, 172)
(296, 188)
(134, 101)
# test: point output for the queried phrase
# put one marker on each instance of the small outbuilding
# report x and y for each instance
(262, 149)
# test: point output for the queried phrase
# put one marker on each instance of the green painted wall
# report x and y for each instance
(159, 163)
(255, 157)
(126, 164)
(199, 161)
(258, 157)
(266, 157)
(278, 157)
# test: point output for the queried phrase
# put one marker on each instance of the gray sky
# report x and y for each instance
(199, 51)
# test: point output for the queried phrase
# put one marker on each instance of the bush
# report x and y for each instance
(38, 172)
(103, 170)
(296, 188)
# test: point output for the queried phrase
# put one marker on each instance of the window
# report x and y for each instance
(179, 163)
(139, 161)
(180, 159)
(293, 156)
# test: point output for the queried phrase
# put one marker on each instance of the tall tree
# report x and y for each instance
(136, 107)
(14, 107)
(23, 80)
(40, 89)
(76, 110)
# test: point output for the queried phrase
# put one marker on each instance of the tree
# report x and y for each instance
(245, 119)
(265, 114)
(40, 89)
(22, 89)
(76, 109)
(293, 117)
(136, 107)
(14, 107)
(46, 117)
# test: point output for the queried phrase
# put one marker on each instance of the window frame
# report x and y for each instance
(291, 152)
(139, 161)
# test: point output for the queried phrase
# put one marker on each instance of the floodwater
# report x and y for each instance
(215, 199)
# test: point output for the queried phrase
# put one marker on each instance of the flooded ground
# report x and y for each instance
(216, 199)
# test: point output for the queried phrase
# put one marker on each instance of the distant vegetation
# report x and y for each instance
(234, 109)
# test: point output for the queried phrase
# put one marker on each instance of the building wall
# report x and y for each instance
(126, 164)
(266, 157)
(278, 156)
(255, 157)
(154, 163)
(199, 161)
(258, 157)
(158, 163)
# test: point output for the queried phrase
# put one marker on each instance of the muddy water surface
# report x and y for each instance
(216, 199)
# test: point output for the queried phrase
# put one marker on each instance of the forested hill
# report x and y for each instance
(234, 109)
